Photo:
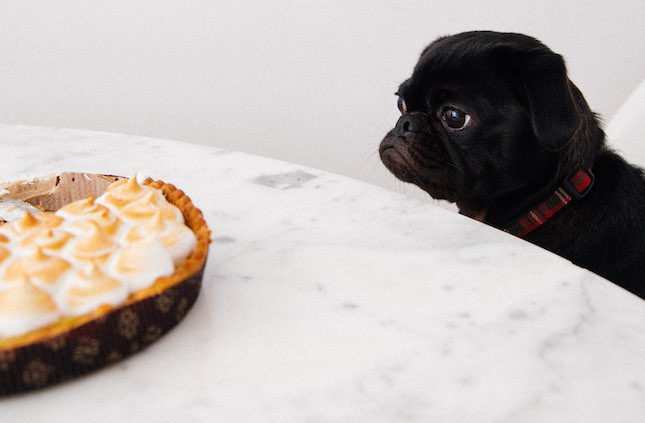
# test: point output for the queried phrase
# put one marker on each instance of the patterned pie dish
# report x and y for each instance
(93, 268)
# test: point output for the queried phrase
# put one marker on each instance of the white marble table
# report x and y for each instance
(326, 299)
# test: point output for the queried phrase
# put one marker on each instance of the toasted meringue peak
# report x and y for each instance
(153, 226)
(17, 275)
(142, 177)
(149, 205)
(126, 186)
(81, 209)
(49, 240)
(25, 307)
(180, 242)
(106, 221)
(27, 222)
(116, 184)
(26, 298)
(49, 220)
(4, 239)
(19, 229)
(40, 255)
(38, 267)
(178, 239)
(123, 192)
(140, 264)
(95, 244)
(90, 288)
(156, 223)
(4, 253)
(143, 208)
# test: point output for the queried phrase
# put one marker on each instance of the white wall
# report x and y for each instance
(627, 129)
(304, 81)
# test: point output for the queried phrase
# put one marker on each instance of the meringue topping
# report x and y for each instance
(123, 192)
(11, 209)
(141, 263)
(39, 267)
(81, 209)
(177, 239)
(29, 227)
(94, 245)
(25, 307)
(106, 221)
(50, 240)
(150, 204)
(4, 253)
(88, 289)
(180, 241)
(87, 254)
(48, 220)
(21, 228)
(28, 222)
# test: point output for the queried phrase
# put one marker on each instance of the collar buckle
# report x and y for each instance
(579, 183)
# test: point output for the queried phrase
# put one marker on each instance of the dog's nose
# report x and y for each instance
(409, 122)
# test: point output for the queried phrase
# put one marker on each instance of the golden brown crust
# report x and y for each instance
(193, 264)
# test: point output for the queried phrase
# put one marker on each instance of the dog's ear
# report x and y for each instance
(551, 104)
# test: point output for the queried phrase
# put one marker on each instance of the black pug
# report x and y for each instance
(491, 122)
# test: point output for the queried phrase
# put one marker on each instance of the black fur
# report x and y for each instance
(530, 127)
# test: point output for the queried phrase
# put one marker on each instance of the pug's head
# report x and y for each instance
(488, 119)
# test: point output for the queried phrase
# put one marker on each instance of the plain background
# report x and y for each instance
(310, 82)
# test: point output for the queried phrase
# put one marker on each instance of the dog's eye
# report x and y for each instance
(455, 118)
(401, 104)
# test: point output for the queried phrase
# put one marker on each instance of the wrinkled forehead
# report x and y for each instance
(462, 70)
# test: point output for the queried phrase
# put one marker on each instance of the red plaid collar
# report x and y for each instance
(576, 185)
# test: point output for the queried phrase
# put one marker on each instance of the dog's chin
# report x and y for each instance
(398, 165)
(397, 157)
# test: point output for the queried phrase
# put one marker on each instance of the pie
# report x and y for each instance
(96, 279)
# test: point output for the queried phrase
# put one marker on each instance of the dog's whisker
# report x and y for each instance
(373, 153)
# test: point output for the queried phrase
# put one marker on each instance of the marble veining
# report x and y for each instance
(326, 299)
